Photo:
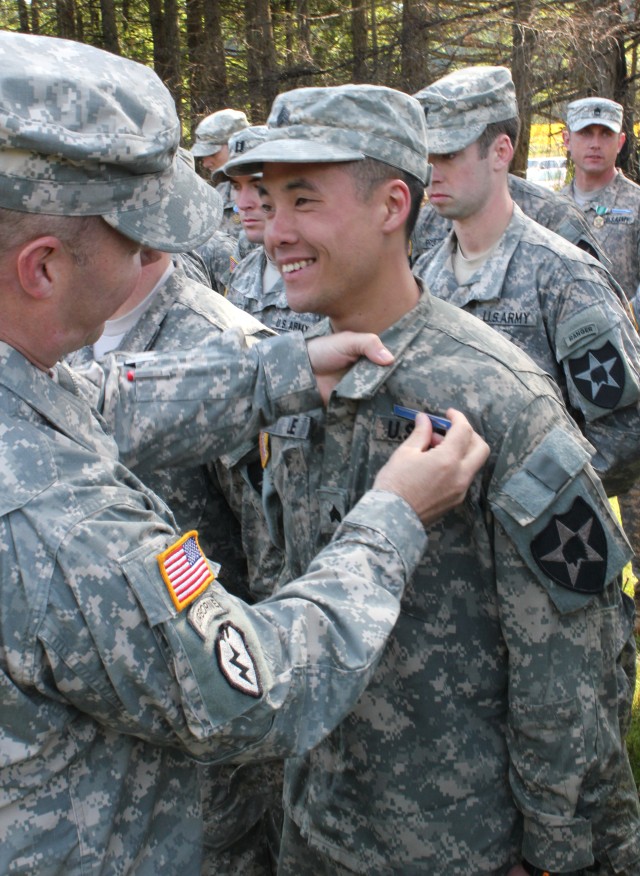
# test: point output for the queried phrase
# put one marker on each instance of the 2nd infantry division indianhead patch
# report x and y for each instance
(572, 549)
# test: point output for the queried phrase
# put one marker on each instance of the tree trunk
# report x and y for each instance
(262, 68)
(166, 46)
(359, 41)
(524, 40)
(65, 19)
(110, 39)
(414, 45)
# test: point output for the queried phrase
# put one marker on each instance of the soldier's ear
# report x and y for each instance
(37, 264)
(397, 203)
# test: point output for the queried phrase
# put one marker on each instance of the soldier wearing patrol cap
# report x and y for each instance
(122, 662)
(211, 147)
(611, 204)
(484, 742)
(552, 300)
(255, 284)
(610, 201)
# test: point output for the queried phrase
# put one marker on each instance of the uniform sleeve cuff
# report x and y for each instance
(558, 843)
(395, 520)
(290, 378)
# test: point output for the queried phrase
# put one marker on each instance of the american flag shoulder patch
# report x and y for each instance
(185, 570)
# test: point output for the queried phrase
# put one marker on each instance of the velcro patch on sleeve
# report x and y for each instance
(185, 570)
(236, 661)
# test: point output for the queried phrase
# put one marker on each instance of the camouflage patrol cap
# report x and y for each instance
(459, 106)
(342, 123)
(87, 133)
(214, 131)
(594, 111)
(242, 141)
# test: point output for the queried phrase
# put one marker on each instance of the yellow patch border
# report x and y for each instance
(180, 606)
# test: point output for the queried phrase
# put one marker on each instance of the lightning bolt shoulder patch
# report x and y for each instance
(236, 661)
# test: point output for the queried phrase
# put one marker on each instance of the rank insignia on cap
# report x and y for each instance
(599, 376)
(235, 661)
(572, 549)
(185, 570)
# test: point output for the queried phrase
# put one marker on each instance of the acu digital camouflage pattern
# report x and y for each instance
(556, 303)
(308, 125)
(459, 106)
(490, 728)
(594, 111)
(213, 132)
(246, 291)
(84, 132)
(218, 255)
(556, 212)
(109, 693)
(614, 220)
(184, 313)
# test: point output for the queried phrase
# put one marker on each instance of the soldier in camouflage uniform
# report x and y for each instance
(610, 201)
(211, 147)
(486, 740)
(168, 311)
(554, 211)
(545, 295)
(255, 284)
(122, 661)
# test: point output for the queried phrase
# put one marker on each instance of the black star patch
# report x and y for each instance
(572, 549)
(599, 376)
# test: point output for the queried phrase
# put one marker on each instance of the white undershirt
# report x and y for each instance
(116, 329)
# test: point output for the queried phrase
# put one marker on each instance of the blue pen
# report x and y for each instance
(440, 424)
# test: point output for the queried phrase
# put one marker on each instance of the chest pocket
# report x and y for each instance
(289, 447)
(561, 522)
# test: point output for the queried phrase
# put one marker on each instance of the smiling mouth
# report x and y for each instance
(290, 267)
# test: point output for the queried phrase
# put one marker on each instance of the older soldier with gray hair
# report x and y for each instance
(122, 661)
(486, 740)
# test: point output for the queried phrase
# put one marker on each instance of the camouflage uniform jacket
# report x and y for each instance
(557, 304)
(211, 499)
(490, 726)
(111, 683)
(245, 290)
(217, 256)
(554, 211)
(231, 222)
(615, 222)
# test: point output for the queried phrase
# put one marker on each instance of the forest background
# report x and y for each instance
(241, 53)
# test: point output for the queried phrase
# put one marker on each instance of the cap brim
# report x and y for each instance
(443, 141)
(289, 151)
(584, 123)
(185, 218)
(202, 150)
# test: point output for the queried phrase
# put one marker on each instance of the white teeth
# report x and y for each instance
(295, 266)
